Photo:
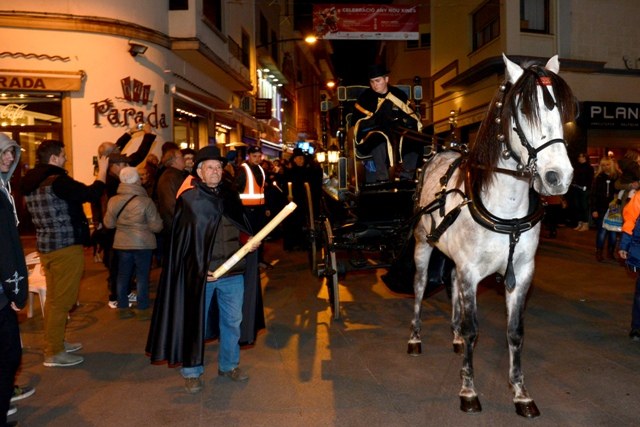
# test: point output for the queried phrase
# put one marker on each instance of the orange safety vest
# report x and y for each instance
(187, 184)
(253, 194)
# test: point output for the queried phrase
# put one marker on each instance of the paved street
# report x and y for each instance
(308, 370)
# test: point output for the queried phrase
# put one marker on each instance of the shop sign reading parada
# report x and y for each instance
(137, 95)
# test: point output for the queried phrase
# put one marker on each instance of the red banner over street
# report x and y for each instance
(365, 22)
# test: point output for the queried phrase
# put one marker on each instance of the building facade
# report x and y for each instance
(597, 48)
(86, 72)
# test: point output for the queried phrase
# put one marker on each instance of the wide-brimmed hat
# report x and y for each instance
(377, 70)
(210, 152)
(297, 152)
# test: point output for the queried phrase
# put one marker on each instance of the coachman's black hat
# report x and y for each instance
(297, 152)
(377, 70)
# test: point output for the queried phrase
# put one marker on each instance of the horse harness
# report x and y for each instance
(513, 227)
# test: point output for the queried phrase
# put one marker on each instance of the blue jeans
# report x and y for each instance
(230, 294)
(603, 235)
(128, 261)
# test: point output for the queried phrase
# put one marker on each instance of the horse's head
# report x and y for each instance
(537, 103)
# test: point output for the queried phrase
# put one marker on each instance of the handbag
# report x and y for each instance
(613, 217)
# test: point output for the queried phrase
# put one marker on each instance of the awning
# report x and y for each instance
(49, 81)
(209, 103)
(273, 145)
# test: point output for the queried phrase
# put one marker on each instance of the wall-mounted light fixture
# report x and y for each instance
(136, 49)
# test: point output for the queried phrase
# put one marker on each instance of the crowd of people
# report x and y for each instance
(148, 212)
(605, 199)
(190, 211)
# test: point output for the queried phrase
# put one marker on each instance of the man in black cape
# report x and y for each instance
(206, 226)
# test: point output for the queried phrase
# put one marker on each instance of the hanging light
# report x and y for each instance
(321, 156)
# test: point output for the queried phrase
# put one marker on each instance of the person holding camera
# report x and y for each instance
(118, 161)
(55, 200)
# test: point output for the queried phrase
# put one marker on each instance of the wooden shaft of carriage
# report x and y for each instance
(256, 239)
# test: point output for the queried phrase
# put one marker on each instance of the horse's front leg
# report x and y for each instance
(525, 406)
(456, 316)
(421, 255)
(469, 401)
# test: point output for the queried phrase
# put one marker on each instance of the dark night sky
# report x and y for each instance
(351, 57)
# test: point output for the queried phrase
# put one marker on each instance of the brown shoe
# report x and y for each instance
(193, 385)
(235, 374)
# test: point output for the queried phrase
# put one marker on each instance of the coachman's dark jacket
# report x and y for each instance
(177, 333)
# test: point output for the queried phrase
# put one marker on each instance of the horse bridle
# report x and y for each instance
(531, 168)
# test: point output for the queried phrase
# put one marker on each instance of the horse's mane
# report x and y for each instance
(487, 149)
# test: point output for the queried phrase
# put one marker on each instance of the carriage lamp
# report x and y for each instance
(333, 155)
(321, 156)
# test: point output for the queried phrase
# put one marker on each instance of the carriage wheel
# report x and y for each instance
(329, 267)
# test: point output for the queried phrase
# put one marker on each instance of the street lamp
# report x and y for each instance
(308, 39)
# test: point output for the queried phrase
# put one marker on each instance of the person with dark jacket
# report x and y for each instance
(295, 177)
(207, 227)
(579, 192)
(54, 200)
(630, 171)
(250, 182)
(167, 188)
(602, 193)
(378, 109)
(13, 277)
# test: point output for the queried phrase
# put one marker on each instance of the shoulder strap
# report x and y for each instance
(125, 204)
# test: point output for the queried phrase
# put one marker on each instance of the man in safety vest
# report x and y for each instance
(250, 181)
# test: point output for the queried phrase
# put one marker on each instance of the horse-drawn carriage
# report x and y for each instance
(357, 226)
(479, 206)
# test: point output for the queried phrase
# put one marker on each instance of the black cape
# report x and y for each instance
(177, 333)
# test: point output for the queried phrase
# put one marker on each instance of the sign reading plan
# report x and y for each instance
(612, 115)
(365, 22)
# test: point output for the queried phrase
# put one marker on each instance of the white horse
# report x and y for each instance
(481, 209)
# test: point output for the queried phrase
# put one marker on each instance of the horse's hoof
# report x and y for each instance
(470, 405)
(414, 348)
(527, 409)
(458, 348)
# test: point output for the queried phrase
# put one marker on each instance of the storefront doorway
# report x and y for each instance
(29, 118)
